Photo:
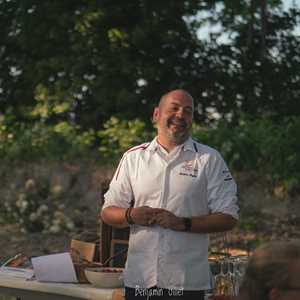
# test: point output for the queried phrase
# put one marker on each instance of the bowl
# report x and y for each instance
(105, 277)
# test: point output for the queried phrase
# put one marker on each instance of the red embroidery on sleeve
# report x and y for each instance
(142, 147)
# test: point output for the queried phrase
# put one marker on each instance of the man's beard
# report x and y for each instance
(182, 134)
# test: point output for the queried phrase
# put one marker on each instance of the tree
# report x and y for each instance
(87, 60)
(83, 61)
(260, 60)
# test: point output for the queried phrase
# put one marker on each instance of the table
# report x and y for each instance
(34, 290)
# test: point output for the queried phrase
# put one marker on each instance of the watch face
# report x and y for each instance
(188, 224)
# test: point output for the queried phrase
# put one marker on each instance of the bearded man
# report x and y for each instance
(172, 192)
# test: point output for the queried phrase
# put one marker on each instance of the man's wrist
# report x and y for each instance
(184, 224)
(187, 222)
(128, 217)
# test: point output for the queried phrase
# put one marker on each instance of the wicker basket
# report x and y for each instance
(80, 267)
(81, 263)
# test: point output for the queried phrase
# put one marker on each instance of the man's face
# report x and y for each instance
(174, 117)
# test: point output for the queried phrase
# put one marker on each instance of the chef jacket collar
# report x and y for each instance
(188, 145)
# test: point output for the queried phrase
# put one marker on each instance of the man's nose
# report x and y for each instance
(180, 113)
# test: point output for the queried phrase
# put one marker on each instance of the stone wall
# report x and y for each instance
(80, 186)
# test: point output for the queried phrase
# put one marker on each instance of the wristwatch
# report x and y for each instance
(187, 224)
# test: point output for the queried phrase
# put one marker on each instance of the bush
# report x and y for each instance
(120, 135)
(37, 208)
(262, 145)
(268, 148)
(29, 142)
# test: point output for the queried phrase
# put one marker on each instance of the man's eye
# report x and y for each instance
(188, 111)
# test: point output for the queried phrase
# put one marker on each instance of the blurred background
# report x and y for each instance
(78, 83)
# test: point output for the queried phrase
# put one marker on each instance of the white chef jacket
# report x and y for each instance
(194, 182)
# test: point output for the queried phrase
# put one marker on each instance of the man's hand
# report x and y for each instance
(144, 215)
(148, 216)
(166, 219)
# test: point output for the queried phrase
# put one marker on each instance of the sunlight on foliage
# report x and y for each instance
(118, 37)
(261, 145)
(268, 148)
(49, 103)
(63, 128)
(85, 22)
(120, 135)
(61, 107)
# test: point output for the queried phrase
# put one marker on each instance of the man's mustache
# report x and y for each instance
(177, 121)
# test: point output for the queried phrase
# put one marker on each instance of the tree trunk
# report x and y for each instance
(263, 18)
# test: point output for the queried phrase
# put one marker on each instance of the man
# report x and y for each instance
(272, 272)
(172, 192)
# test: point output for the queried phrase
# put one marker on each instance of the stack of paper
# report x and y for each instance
(54, 268)
(17, 272)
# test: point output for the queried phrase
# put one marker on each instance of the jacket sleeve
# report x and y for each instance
(221, 187)
(120, 192)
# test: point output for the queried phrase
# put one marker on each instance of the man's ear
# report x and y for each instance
(274, 294)
(155, 114)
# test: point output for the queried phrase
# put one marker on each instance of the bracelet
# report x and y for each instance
(131, 222)
(128, 216)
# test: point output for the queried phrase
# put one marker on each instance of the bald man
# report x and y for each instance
(172, 192)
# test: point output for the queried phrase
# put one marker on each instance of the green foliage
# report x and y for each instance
(95, 59)
(50, 103)
(61, 141)
(88, 58)
(268, 148)
(120, 135)
(249, 223)
(262, 145)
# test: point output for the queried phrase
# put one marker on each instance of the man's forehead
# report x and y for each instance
(181, 102)
(179, 98)
(180, 94)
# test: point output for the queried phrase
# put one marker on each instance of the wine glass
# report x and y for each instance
(223, 282)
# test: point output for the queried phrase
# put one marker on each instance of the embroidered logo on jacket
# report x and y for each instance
(188, 169)
(227, 175)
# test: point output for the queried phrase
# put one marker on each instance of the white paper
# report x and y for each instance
(54, 268)
(17, 272)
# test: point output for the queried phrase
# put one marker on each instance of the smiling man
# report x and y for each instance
(174, 117)
(172, 192)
